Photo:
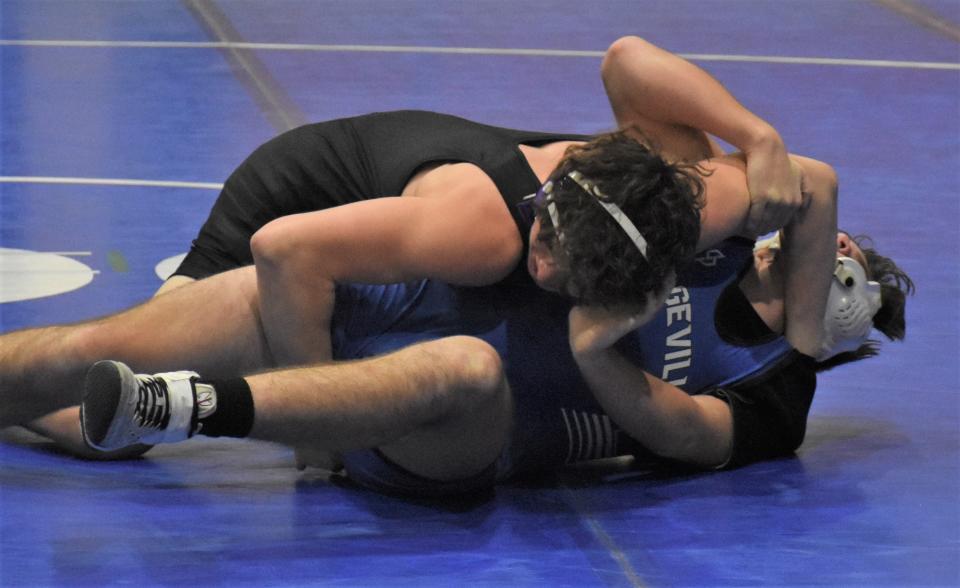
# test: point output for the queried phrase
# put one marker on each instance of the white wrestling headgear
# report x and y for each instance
(851, 305)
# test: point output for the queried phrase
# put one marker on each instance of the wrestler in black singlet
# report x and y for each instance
(328, 164)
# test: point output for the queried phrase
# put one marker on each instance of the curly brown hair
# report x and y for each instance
(663, 200)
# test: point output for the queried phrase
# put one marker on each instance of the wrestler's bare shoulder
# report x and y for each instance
(448, 179)
(463, 203)
(726, 199)
(544, 159)
(451, 179)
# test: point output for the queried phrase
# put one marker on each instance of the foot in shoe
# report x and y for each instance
(121, 408)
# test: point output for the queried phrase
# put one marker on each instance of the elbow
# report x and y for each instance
(821, 181)
(285, 262)
(273, 245)
(622, 51)
(628, 44)
(827, 180)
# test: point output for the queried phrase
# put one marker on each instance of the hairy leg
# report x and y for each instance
(63, 426)
(440, 409)
(212, 325)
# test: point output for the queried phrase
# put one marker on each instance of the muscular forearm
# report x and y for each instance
(396, 239)
(646, 82)
(679, 106)
(295, 299)
(295, 305)
(809, 250)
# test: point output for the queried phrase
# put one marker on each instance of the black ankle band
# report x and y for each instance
(234, 414)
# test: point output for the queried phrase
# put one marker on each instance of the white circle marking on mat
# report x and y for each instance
(25, 275)
(168, 266)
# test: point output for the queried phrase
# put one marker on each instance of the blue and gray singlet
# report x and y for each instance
(557, 419)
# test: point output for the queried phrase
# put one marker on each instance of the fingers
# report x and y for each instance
(756, 220)
(768, 217)
(772, 212)
(764, 218)
(776, 193)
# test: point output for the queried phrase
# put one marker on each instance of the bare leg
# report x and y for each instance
(63, 427)
(172, 283)
(440, 409)
(212, 325)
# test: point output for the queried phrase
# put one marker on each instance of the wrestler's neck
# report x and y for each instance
(763, 287)
(545, 158)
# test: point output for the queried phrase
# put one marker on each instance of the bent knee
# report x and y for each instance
(476, 364)
(482, 365)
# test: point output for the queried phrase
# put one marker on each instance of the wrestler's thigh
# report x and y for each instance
(211, 326)
(471, 437)
(172, 283)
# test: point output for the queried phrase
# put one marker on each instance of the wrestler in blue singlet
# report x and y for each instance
(683, 345)
(563, 423)
(559, 420)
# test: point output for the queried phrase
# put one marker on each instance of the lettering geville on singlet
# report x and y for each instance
(681, 345)
(678, 345)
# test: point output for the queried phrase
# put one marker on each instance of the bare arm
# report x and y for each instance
(699, 429)
(463, 236)
(664, 418)
(679, 105)
(810, 252)
(395, 239)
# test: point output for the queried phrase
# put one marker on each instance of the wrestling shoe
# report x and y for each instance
(121, 408)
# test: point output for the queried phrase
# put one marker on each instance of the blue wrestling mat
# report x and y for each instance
(120, 119)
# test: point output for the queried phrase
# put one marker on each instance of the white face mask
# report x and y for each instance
(851, 305)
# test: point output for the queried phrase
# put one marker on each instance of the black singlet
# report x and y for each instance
(328, 164)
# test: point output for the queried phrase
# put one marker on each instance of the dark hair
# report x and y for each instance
(895, 286)
(663, 200)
